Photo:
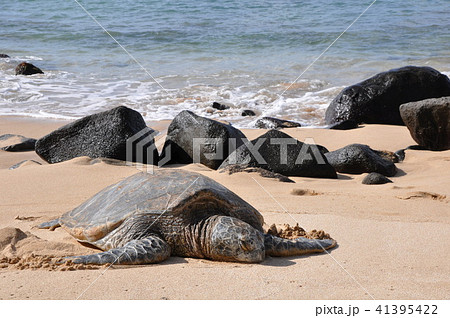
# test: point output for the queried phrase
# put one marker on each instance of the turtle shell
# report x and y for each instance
(169, 198)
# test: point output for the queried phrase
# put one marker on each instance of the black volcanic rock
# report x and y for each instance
(375, 178)
(262, 172)
(377, 99)
(344, 125)
(280, 153)
(15, 143)
(428, 122)
(219, 106)
(103, 134)
(357, 159)
(25, 68)
(248, 112)
(4, 56)
(275, 123)
(215, 140)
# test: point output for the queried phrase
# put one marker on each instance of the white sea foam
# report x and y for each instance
(68, 95)
(63, 95)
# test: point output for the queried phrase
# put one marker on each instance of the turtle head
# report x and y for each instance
(235, 240)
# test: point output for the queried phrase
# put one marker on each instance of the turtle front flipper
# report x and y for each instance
(144, 251)
(50, 225)
(277, 246)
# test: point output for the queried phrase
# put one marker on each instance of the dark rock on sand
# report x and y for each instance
(213, 141)
(4, 56)
(428, 122)
(375, 178)
(278, 152)
(262, 172)
(25, 68)
(15, 143)
(248, 112)
(23, 162)
(275, 123)
(344, 125)
(219, 106)
(103, 134)
(357, 159)
(377, 99)
(400, 154)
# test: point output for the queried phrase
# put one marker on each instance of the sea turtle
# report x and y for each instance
(146, 217)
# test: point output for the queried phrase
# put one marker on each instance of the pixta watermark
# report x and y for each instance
(142, 150)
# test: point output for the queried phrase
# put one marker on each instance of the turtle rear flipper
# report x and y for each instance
(50, 225)
(277, 246)
(144, 251)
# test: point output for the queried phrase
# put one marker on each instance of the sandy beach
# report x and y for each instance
(393, 238)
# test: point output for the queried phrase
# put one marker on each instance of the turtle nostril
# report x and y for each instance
(246, 245)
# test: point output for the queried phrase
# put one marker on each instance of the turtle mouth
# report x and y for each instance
(254, 255)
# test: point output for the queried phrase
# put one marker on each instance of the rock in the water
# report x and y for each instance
(23, 163)
(25, 68)
(248, 112)
(14, 143)
(375, 178)
(344, 125)
(4, 56)
(275, 123)
(107, 134)
(428, 122)
(191, 138)
(278, 152)
(377, 99)
(357, 159)
(219, 106)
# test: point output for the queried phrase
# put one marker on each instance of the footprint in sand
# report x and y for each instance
(423, 195)
(305, 192)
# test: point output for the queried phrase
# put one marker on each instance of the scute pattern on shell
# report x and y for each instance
(172, 197)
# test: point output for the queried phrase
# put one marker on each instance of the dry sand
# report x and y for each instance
(393, 238)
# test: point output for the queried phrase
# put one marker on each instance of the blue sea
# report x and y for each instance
(167, 56)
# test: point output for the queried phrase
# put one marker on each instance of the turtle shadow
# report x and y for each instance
(173, 260)
(290, 260)
(278, 261)
(89, 245)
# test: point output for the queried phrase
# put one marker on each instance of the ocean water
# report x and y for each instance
(187, 54)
